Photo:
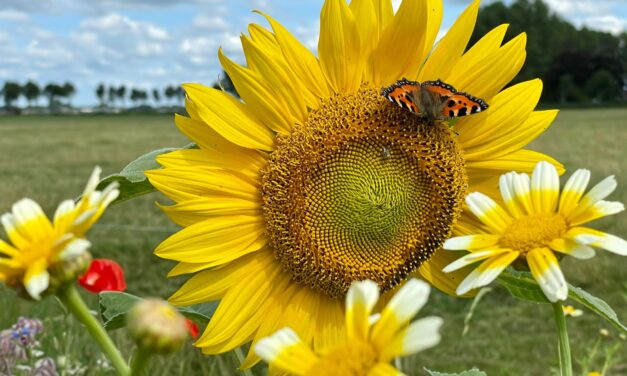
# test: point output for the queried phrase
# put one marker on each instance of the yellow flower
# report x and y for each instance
(38, 247)
(537, 222)
(571, 311)
(313, 180)
(368, 349)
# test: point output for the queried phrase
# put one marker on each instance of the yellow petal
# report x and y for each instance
(215, 241)
(485, 75)
(521, 160)
(259, 96)
(229, 117)
(212, 284)
(339, 47)
(406, 41)
(450, 48)
(189, 183)
(301, 60)
(36, 278)
(281, 80)
(187, 213)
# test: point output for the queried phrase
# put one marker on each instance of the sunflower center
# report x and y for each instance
(362, 190)
(533, 231)
(351, 359)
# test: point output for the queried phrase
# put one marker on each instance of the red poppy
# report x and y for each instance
(192, 328)
(103, 275)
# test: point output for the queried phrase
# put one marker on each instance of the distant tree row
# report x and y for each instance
(112, 95)
(575, 65)
(31, 91)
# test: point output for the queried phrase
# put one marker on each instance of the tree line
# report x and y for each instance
(576, 65)
(117, 95)
(31, 91)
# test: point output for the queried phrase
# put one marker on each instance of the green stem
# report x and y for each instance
(70, 297)
(140, 361)
(240, 358)
(563, 346)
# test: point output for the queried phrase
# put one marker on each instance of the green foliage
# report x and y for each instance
(523, 286)
(563, 56)
(470, 372)
(10, 92)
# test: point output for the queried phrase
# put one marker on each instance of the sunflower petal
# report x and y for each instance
(229, 117)
(339, 47)
(187, 213)
(431, 271)
(450, 48)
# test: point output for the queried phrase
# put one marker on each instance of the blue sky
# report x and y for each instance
(152, 43)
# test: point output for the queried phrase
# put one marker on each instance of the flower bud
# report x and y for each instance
(69, 268)
(157, 326)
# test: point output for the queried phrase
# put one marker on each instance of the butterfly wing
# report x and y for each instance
(403, 93)
(455, 104)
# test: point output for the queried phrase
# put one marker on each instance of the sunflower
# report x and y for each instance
(312, 181)
(41, 250)
(368, 348)
(537, 224)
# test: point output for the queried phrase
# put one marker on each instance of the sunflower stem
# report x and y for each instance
(140, 361)
(563, 346)
(240, 358)
(72, 300)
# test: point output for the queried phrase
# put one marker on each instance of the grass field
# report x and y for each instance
(50, 158)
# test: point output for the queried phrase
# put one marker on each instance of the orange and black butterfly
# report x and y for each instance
(434, 100)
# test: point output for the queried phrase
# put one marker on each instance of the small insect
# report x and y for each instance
(434, 100)
(386, 153)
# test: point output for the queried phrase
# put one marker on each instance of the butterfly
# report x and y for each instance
(434, 100)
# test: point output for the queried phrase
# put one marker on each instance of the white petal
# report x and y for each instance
(545, 186)
(508, 192)
(546, 271)
(25, 211)
(64, 208)
(37, 284)
(488, 211)
(270, 348)
(606, 241)
(73, 249)
(573, 191)
(471, 258)
(462, 243)
(409, 299)
(93, 181)
(421, 335)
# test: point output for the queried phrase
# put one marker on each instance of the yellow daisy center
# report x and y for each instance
(362, 190)
(533, 231)
(354, 358)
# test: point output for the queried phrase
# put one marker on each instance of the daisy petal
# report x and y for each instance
(29, 220)
(488, 212)
(546, 270)
(36, 279)
(360, 299)
(545, 186)
(74, 248)
(400, 309)
(600, 191)
(463, 243)
(573, 191)
(508, 192)
(572, 248)
(418, 336)
(487, 272)
(599, 239)
(473, 257)
(286, 351)
(598, 210)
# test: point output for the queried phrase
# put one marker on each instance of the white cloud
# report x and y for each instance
(13, 15)
(210, 23)
(608, 23)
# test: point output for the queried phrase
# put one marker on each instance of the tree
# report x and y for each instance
(135, 96)
(602, 86)
(170, 92)
(156, 96)
(67, 91)
(11, 92)
(53, 91)
(100, 93)
(112, 95)
(31, 92)
(121, 93)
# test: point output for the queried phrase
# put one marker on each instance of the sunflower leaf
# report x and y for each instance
(114, 306)
(523, 286)
(470, 372)
(132, 180)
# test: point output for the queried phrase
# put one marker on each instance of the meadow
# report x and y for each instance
(50, 158)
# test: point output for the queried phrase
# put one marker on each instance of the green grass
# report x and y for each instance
(50, 158)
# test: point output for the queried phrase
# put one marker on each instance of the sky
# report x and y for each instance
(154, 43)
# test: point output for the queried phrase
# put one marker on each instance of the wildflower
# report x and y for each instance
(369, 348)
(536, 224)
(156, 326)
(103, 275)
(40, 250)
(571, 311)
(313, 181)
